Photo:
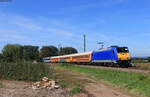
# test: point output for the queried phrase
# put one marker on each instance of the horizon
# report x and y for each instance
(42, 23)
(77, 49)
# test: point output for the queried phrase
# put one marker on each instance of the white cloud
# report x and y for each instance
(32, 24)
(25, 30)
(10, 35)
(28, 25)
(147, 34)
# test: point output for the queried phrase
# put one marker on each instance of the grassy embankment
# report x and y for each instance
(135, 83)
(26, 71)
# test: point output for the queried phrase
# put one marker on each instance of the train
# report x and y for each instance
(110, 56)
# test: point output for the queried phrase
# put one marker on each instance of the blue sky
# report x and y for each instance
(53, 22)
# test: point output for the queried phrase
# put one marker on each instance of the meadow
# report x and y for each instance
(142, 65)
(135, 83)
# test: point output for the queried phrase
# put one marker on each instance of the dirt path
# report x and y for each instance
(101, 90)
(96, 88)
(23, 89)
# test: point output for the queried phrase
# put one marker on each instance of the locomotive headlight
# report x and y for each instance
(128, 58)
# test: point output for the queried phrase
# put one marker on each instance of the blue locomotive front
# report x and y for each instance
(114, 55)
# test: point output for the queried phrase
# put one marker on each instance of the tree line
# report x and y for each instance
(16, 52)
(141, 60)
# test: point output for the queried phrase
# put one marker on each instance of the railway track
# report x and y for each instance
(130, 69)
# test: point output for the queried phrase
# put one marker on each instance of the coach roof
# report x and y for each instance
(71, 55)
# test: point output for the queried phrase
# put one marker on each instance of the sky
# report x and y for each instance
(64, 22)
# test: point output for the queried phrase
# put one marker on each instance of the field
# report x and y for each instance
(143, 65)
(135, 83)
(76, 81)
(80, 83)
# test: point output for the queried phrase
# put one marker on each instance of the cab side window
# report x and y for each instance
(113, 52)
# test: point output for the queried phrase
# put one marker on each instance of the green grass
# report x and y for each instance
(24, 71)
(136, 83)
(75, 90)
(1, 85)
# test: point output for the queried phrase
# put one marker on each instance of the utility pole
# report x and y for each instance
(59, 49)
(102, 44)
(84, 42)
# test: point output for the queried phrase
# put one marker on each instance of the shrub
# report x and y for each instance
(24, 71)
(12, 53)
(15, 53)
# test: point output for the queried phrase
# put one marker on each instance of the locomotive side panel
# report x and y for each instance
(104, 56)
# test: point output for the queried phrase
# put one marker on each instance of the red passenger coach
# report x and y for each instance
(80, 57)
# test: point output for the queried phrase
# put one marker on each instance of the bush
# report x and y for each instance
(24, 71)
(30, 53)
(67, 50)
(148, 59)
(15, 53)
(1, 57)
(12, 53)
(47, 51)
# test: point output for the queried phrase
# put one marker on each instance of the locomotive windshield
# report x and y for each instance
(122, 50)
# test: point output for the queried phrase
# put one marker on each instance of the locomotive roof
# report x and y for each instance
(109, 48)
(103, 49)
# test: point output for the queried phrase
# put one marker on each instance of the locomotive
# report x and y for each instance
(111, 56)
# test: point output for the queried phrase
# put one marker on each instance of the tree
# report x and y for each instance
(1, 57)
(67, 50)
(148, 59)
(48, 51)
(30, 53)
(12, 52)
